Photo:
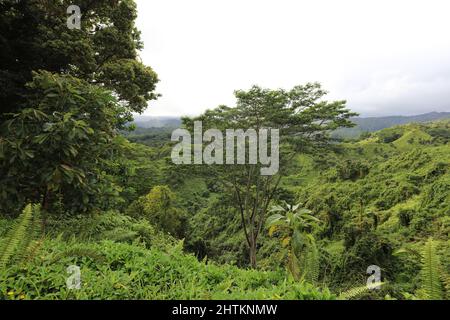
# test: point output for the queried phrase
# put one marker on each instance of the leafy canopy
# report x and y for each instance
(35, 37)
(58, 147)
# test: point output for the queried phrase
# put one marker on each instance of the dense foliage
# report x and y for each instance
(34, 36)
(68, 130)
(78, 190)
(373, 197)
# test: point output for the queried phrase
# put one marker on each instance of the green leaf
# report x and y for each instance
(274, 219)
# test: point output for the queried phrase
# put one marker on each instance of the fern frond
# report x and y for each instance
(354, 293)
(312, 263)
(29, 246)
(32, 251)
(445, 277)
(431, 283)
(20, 235)
(79, 252)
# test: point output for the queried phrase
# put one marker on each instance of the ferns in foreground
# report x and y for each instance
(435, 281)
(356, 292)
(310, 261)
(430, 273)
(19, 241)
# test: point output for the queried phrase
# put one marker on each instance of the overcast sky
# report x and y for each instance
(385, 57)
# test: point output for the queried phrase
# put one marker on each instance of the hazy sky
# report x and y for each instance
(384, 57)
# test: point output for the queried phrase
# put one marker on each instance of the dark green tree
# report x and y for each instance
(59, 147)
(34, 36)
(64, 93)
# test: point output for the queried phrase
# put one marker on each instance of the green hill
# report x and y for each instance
(378, 199)
(375, 196)
(391, 189)
(372, 124)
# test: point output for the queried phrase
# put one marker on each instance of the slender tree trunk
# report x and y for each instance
(45, 207)
(252, 252)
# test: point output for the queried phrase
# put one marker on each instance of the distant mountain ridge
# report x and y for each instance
(372, 124)
(157, 122)
(369, 124)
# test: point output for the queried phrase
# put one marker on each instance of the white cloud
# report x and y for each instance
(384, 57)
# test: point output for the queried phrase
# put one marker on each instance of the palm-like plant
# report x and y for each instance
(293, 217)
(297, 224)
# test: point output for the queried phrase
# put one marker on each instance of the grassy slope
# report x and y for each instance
(413, 158)
(126, 271)
(406, 189)
(124, 258)
(407, 177)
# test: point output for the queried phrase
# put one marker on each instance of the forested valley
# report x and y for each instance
(82, 187)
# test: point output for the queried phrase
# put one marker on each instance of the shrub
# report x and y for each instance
(159, 208)
(109, 225)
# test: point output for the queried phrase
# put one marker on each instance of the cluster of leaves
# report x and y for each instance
(56, 148)
(297, 224)
(159, 208)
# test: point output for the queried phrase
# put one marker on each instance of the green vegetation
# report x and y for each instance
(79, 188)
(124, 258)
(302, 255)
(368, 202)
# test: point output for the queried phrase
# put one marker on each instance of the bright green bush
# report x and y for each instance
(159, 208)
(112, 226)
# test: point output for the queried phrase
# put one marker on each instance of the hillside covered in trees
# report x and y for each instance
(378, 201)
(372, 124)
(92, 210)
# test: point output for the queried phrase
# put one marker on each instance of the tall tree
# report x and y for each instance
(64, 93)
(304, 121)
(34, 36)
